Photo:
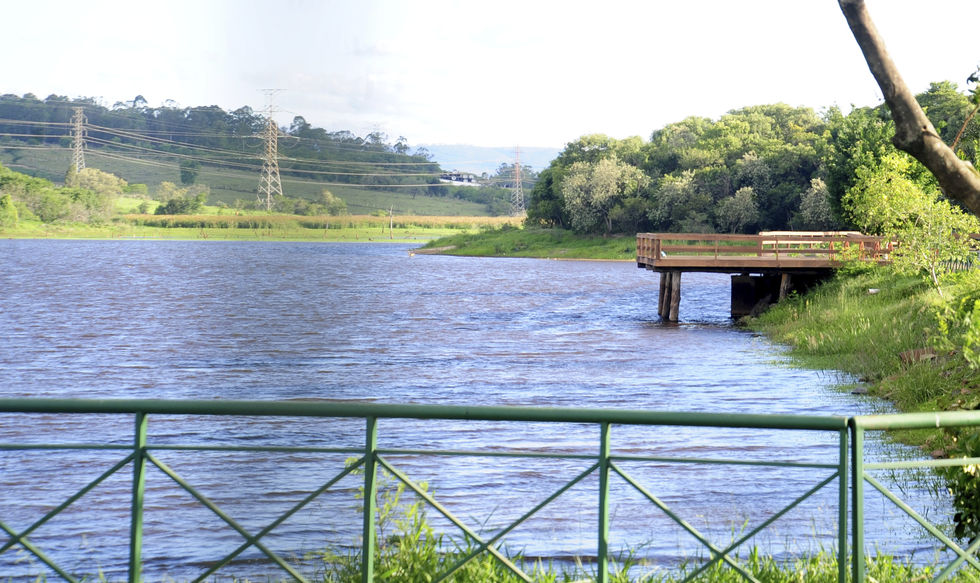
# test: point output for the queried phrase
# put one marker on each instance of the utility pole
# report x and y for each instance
(78, 139)
(517, 196)
(270, 184)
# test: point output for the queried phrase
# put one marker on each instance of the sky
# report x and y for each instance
(501, 73)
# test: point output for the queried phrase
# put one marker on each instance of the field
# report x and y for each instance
(230, 185)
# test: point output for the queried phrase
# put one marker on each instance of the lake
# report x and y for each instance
(373, 323)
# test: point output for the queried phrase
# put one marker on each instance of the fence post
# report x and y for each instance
(602, 551)
(136, 510)
(857, 511)
(842, 509)
(370, 500)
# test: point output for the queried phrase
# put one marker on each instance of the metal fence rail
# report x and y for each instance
(141, 455)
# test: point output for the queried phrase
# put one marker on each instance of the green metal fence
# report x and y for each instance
(141, 456)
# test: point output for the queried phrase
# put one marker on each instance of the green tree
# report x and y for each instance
(736, 213)
(816, 213)
(180, 201)
(591, 189)
(8, 212)
(100, 182)
(679, 205)
(189, 169)
(333, 204)
(914, 132)
(544, 204)
(929, 230)
(71, 177)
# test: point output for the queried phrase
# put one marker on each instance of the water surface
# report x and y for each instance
(372, 323)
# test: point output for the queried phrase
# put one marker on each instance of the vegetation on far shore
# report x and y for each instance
(509, 241)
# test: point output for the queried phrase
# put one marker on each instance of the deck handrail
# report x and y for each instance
(139, 457)
(822, 249)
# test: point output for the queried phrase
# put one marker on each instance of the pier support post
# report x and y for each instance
(675, 296)
(664, 292)
(669, 302)
(785, 285)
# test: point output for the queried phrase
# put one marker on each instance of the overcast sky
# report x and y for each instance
(506, 72)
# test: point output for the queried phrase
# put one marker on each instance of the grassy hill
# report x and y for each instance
(228, 185)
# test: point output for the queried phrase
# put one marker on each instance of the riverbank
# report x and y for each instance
(261, 227)
(896, 333)
(510, 241)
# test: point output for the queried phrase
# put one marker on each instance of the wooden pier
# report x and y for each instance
(765, 267)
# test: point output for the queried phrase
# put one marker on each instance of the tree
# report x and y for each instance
(180, 201)
(188, 171)
(858, 139)
(591, 189)
(889, 201)
(101, 182)
(333, 204)
(815, 214)
(914, 133)
(8, 212)
(738, 212)
(544, 206)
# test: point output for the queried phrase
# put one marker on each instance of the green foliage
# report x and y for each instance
(816, 212)
(859, 139)
(536, 242)
(189, 170)
(100, 182)
(140, 189)
(180, 201)
(736, 213)
(842, 326)
(891, 200)
(332, 204)
(964, 485)
(590, 190)
(8, 212)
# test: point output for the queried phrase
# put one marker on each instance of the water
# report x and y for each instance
(372, 323)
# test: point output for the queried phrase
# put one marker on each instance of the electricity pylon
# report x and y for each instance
(517, 195)
(78, 139)
(270, 184)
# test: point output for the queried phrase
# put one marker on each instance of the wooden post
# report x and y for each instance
(785, 285)
(664, 292)
(675, 296)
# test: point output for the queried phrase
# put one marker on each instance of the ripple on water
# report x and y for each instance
(363, 323)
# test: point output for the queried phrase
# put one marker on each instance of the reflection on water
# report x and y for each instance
(370, 323)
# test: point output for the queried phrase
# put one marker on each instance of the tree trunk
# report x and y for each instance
(914, 132)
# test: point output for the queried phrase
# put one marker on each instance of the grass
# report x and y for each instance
(509, 241)
(408, 550)
(228, 185)
(868, 324)
(259, 226)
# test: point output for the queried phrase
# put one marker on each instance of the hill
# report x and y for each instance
(225, 151)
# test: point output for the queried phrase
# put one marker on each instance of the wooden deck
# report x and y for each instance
(766, 253)
(765, 267)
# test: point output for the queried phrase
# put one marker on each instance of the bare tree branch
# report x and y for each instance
(914, 132)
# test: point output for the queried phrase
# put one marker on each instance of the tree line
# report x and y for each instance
(766, 167)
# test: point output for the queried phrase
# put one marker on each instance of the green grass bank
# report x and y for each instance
(512, 241)
(888, 330)
(257, 226)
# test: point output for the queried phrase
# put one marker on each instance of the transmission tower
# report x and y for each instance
(270, 184)
(78, 139)
(517, 196)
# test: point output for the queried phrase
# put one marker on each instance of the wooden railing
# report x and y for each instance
(772, 250)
